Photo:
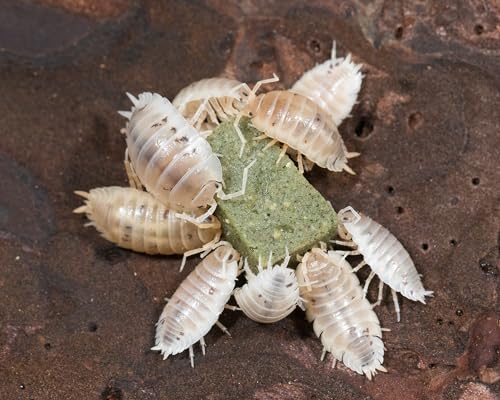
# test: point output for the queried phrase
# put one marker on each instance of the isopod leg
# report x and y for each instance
(198, 220)
(194, 119)
(396, 305)
(207, 247)
(359, 266)
(244, 181)
(203, 345)
(232, 308)
(264, 81)
(323, 354)
(261, 137)
(270, 144)
(367, 283)
(222, 328)
(284, 148)
(133, 179)
(191, 356)
(236, 125)
(300, 162)
(345, 243)
(380, 294)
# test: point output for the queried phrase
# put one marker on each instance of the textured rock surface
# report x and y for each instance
(77, 314)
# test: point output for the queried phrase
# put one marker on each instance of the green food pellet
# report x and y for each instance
(280, 208)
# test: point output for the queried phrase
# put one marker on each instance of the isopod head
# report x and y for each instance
(348, 215)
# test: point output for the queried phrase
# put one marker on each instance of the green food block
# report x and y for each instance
(280, 208)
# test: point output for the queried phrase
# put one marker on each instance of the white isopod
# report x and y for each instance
(170, 157)
(212, 100)
(333, 85)
(386, 256)
(342, 317)
(298, 123)
(135, 220)
(197, 303)
(271, 295)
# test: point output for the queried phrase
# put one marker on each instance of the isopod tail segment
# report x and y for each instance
(368, 374)
(203, 345)
(369, 235)
(251, 96)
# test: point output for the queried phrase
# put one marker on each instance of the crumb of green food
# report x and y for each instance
(280, 209)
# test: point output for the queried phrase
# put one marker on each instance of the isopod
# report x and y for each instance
(135, 220)
(170, 157)
(271, 295)
(213, 99)
(333, 85)
(386, 256)
(298, 123)
(342, 317)
(197, 303)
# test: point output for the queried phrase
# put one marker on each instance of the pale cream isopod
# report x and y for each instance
(342, 317)
(135, 220)
(301, 125)
(170, 157)
(208, 102)
(271, 294)
(385, 254)
(197, 303)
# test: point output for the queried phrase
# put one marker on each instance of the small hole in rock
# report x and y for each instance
(439, 321)
(400, 210)
(111, 393)
(476, 181)
(425, 246)
(92, 327)
(364, 127)
(415, 120)
(398, 32)
(432, 365)
(459, 313)
(479, 29)
(451, 323)
(487, 267)
(390, 190)
(314, 45)
(47, 346)
(453, 242)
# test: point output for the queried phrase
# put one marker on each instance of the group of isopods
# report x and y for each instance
(168, 155)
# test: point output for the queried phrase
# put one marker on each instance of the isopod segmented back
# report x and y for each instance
(342, 317)
(197, 303)
(171, 159)
(333, 85)
(301, 124)
(135, 220)
(384, 254)
(269, 296)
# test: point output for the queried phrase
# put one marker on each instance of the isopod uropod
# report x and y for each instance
(333, 85)
(212, 100)
(298, 123)
(342, 317)
(135, 220)
(386, 256)
(170, 157)
(271, 295)
(197, 303)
